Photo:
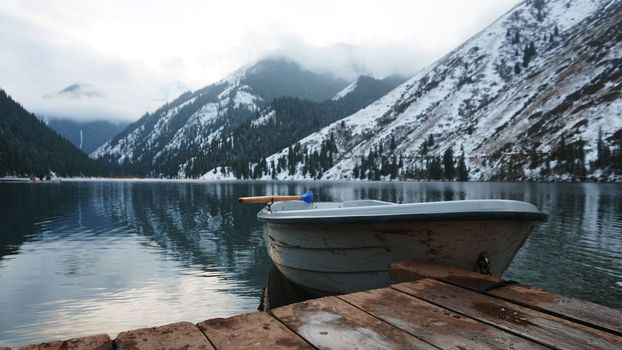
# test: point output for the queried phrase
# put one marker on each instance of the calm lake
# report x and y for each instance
(81, 258)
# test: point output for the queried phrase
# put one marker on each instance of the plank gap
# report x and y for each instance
(435, 324)
(571, 309)
(537, 326)
(206, 336)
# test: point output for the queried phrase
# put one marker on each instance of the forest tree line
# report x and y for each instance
(383, 162)
(29, 148)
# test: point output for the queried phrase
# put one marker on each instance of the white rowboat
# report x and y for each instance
(333, 248)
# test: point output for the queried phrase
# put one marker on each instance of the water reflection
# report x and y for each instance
(84, 258)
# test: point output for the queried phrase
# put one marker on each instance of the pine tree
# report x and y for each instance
(394, 168)
(424, 148)
(463, 172)
(547, 166)
(272, 169)
(448, 164)
(528, 53)
(434, 168)
(430, 140)
(603, 152)
(526, 57)
(534, 157)
(580, 171)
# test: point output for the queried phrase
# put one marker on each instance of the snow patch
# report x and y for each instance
(347, 90)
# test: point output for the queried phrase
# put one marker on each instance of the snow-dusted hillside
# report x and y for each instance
(526, 98)
(164, 142)
(347, 90)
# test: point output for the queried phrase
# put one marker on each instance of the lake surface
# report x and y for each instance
(81, 258)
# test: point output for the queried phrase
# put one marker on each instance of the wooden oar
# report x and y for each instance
(307, 197)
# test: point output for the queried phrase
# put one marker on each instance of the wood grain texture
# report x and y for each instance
(182, 335)
(438, 326)
(331, 323)
(528, 323)
(585, 312)
(94, 342)
(267, 199)
(257, 330)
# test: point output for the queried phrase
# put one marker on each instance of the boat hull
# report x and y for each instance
(330, 259)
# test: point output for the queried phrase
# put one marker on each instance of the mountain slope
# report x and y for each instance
(87, 136)
(284, 121)
(526, 98)
(29, 148)
(159, 144)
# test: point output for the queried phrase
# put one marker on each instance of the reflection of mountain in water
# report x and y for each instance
(22, 207)
(201, 225)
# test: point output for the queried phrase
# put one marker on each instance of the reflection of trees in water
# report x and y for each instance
(197, 224)
(578, 251)
(22, 207)
(202, 224)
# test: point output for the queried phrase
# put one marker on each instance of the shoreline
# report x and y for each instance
(15, 179)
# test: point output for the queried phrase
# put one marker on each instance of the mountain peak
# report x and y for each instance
(194, 119)
(540, 77)
(76, 90)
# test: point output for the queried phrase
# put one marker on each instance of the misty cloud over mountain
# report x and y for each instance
(120, 68)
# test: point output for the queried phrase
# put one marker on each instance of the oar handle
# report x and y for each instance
(268, 199)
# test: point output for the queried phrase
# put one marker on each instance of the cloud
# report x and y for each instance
(51, 77)
(348, 62)
(136, 55)
(76, 90)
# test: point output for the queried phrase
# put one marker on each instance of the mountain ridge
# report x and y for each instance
(171, 141)
(497, 96)
(156, 140)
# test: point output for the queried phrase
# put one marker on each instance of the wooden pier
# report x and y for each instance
(435, 307)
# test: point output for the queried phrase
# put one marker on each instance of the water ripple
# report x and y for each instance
(86, 258)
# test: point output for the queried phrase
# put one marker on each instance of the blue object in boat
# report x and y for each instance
(307, 197)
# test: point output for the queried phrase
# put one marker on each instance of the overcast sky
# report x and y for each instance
(131, 56)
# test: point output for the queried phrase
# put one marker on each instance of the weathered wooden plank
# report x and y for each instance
(181, 335)
(331, 323)
(409, 271)
(531, 324)
(436, 325)
(94, 342)
(257, 330)
(585, 312)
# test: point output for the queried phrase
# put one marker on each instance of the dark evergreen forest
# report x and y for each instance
(29, 148)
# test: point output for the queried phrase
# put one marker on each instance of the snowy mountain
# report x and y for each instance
(76, 90)
(163, 142)
(535, 95)
(284, 121)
